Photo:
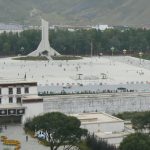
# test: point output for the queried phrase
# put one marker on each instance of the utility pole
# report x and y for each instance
(91, 49)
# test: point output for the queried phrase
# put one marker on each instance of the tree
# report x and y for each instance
(140, 120)
(136, 141)
(60, 130)
(95, 143)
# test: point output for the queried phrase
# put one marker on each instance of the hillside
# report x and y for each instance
(77, 12)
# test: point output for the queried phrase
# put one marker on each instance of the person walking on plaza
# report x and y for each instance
(26, 138)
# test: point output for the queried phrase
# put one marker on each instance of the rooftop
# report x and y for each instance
(87, 118)
(16, 83)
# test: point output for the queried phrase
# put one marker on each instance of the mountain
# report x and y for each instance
(76, 12)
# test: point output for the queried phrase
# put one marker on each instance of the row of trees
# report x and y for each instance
(78, 42)
(139, 120)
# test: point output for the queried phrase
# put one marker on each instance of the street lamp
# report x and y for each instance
(101, 54)
(124, 51)
(140, 55)
(22, 50)
(112, 50)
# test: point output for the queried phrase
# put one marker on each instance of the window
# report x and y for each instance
(18, 90)
(18, 99)
(10, 90)
(0, 91)
(26, 90)
(0, 100)
(10, 100)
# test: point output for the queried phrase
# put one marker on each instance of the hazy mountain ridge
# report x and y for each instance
(78, 12)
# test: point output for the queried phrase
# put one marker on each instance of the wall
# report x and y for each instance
(112, 126)
(32, 109)
(114, 140)
(104, 127)
(109, 103)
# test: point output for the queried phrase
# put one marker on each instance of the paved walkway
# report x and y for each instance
(16, 132)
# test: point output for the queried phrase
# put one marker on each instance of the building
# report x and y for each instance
(15, 101)
(102, 27)
(15, 28)
(70, 27)
(104, 126)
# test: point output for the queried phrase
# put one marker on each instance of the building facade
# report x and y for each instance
(104, 126)
(15, 101)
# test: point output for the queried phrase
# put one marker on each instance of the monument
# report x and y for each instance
(44, 48)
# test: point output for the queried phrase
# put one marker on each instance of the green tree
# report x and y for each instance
(61, 130)
(137, 141)
(95, 143)
(6, 48)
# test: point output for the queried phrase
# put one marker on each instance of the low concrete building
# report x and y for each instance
(104, 126)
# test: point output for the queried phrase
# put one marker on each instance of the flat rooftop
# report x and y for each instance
(87, 118)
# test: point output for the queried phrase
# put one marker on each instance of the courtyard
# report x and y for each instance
(16, 132)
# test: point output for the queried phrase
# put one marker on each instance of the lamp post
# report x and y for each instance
(112, 50)
(91, 49)
(140, 55)
(101, 54)
(124, 52)
(22, 50)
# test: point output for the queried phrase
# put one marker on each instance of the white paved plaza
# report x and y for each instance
(104, 71)
(85, 71)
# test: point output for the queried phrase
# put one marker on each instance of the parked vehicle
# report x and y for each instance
(40, 134)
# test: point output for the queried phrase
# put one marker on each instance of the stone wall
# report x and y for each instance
(109, 103)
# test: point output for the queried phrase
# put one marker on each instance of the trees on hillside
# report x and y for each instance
(137, 141)
(59, 129)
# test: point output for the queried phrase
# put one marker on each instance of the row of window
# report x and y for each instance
(18, 90)
(18, 100)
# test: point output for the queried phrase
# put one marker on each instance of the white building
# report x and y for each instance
(102, 27)
(104, 126)
(15, 28)
(15, 101)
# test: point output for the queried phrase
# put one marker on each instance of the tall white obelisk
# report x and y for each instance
(44, 48)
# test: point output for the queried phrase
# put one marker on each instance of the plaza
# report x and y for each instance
(79, 75)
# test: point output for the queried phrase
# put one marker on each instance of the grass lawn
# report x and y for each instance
(66, 57)
(37, 58)
(32, 58)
